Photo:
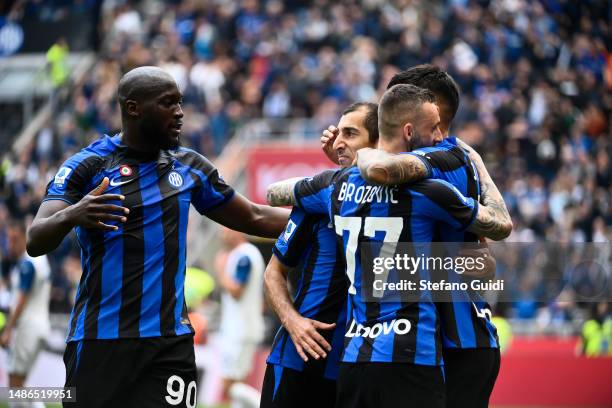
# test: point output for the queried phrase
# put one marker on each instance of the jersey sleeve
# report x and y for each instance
(26, 276)
(445, 203)
(211, 191)
(243, 270)
(313, 194)
(295, 240)
(72, 179)
(443, 159)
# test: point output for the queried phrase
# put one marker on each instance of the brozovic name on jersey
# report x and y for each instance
(367, 194)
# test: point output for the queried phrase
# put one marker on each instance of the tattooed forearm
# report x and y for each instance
(377, 166)
(493, 220)
(281, 192)
(491, 223)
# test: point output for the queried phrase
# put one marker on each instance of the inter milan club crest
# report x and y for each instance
(125, 170)
(175, 179)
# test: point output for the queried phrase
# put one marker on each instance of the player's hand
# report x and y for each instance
(5, 338)
(93, 210)
(481, 255)
(306, 338)
(327, 143)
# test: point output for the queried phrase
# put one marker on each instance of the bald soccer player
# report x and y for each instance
(130, 342)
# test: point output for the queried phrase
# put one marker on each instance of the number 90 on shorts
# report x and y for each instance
(178, 391)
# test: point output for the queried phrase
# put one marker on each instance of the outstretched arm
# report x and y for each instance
(281, 192)
(380, 167)
(245, 216)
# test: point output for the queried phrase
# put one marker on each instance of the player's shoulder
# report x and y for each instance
(446, 155)
(341, 174)
(102, 146)
(193, 159)
(437, 190)
(447, 145)
(320, 181)
(94, 152)
(334, 174)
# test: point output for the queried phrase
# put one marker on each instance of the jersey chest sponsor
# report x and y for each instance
(396, 326)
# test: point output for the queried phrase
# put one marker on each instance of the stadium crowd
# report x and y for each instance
(535, 77)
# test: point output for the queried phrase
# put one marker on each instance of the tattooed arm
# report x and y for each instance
(281, 192)
(493, 220)
(377, 166)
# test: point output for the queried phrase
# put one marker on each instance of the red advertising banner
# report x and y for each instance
(268, 164)
(546, 372)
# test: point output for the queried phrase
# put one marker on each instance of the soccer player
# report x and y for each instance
(469, 339)
(242, 324)
(392, 352)
(306, 352)
(130, 343)
(28, 323)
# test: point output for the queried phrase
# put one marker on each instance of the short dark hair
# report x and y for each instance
(398, 106)
(371, 119)
(431, 77)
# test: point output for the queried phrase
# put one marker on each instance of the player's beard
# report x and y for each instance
(416, 142)
(154, 132)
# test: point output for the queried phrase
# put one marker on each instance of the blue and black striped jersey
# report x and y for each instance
(391, 331)
(309, 243)
(133, 278)
(466, 321)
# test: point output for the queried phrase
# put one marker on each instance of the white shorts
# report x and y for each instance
(24, 348)
(237, 359)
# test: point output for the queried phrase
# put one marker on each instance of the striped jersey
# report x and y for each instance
(385, 331)
(466, 321)
(133, 278)
(309, 244)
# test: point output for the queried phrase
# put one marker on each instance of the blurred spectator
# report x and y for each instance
(27, 326)
(57, 59)
(597, 332)
(240, 273)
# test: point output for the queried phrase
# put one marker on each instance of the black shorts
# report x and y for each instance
(390, 385)
(470, 376)
(132, 372)
(287, 388)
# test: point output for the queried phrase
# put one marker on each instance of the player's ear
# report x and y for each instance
(132, 107)
(407, 132)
